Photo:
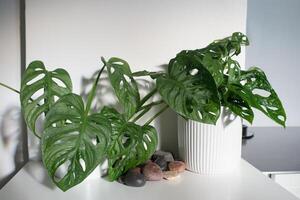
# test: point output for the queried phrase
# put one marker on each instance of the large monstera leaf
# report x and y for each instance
(39, 90)
(258, 92)
(190, 90)
(124, 85)
(228, 46)
(131, 145)
(74, 139)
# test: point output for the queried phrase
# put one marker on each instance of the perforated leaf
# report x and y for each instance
(190, 89)
(259, 94)
(228, 46)
(39, 90)
(131, 145)
(73, 139)
(124, 85)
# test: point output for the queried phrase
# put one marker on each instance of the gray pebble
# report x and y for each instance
(134, 179)
(161, 162)
(166, 155)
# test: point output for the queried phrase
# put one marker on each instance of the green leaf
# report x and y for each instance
(232, 70)
(190, 89)
(153, 75)
(74, 139)
(131, 144)
(238, 105)
(124, 85)
(228, 46)
(258, 92)
(47, 84)
(80, 142)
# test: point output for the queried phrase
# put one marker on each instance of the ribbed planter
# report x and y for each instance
(211, 149)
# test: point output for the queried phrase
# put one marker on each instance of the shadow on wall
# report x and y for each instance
(11, 143)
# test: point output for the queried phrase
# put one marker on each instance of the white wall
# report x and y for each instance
(74, 34)
(10, 74)
(273, 27)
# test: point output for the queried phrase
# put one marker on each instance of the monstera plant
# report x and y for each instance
(196, 84)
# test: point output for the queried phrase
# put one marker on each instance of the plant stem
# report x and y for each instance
(148, 96)
(141, 114)
(93, 91)
(156, 115)
(146, 108)
(10, 88)
(151, 104)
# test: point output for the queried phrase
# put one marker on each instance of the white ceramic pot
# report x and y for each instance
(211, 149)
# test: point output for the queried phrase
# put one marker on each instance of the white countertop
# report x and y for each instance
(246, 183)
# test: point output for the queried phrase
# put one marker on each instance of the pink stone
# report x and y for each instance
(152, 172)
(177, 166)
(170, 175)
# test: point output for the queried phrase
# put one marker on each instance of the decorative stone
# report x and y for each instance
(137, 170)
(177, 166)
(152, 172)
(166, 155)
(134, 179)
(161, 162)
(170, 175)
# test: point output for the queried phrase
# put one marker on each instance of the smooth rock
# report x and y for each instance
(134, 179)
(177, 166)
(170, 175)
(161, 162)
(166, 155)
(136, 169)
(152, 172)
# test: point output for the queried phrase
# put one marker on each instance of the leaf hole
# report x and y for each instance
(148, 138)
(125, 141)
(74, 133)
(127, 78)
(59, 82)
(121, 84)
(118, 63)
(243, 82)
(112, 70)
(281, 118)
(145, 146)
(61, 171)
(273, 108)
(37, 94)
(199, 114)
(56, 98)
(35, 79)
(264, 108)
(212, 113)
(82, 164)
(95, 141)
(261, 92)
(58, 142)
(225, 71)
(193, 72)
